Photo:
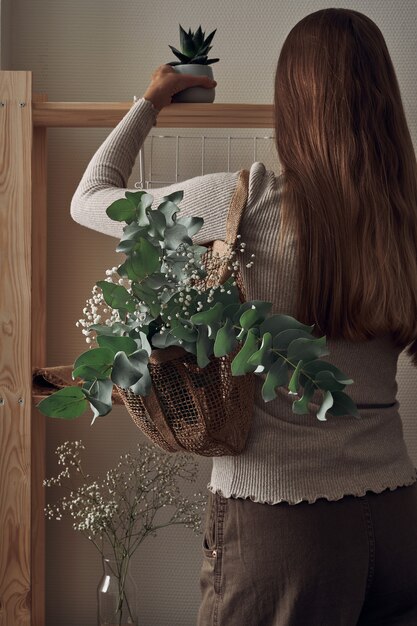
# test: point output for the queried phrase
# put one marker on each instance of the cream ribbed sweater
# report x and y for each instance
(288, 457)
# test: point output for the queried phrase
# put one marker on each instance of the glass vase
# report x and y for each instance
(117, 594)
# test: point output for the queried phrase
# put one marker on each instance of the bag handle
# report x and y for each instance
(219, 273)
(237, 205)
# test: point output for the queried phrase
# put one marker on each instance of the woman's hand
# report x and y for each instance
(166, 82)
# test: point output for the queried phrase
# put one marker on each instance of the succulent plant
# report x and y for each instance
(194, 48)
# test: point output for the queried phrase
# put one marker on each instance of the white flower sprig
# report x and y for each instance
(118, 512)
(97, 309)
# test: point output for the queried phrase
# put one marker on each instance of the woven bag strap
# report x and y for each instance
(237, 205)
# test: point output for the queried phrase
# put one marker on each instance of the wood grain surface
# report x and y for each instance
(176, 115)
(38, 340)
(15, 346)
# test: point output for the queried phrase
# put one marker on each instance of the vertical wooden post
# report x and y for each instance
(15, 347)
(39, 276)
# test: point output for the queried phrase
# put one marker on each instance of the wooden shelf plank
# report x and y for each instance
(177, 115)
(16, 599)
(38, 340)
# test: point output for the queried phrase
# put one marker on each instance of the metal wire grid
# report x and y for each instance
(144, 184)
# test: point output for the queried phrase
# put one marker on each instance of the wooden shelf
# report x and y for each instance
(177, 115)
(24, 119)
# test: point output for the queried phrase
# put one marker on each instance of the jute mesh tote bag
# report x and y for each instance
(206, 411)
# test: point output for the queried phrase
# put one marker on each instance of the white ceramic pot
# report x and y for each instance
(194, 94)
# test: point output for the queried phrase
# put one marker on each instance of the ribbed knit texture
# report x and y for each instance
(288, 457)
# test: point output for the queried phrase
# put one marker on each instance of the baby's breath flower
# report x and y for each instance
(119, 509)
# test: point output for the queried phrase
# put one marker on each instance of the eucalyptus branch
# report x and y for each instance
(170, 291)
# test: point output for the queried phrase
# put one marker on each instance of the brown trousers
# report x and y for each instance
(346, 562)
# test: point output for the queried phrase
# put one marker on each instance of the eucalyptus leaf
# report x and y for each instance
(145, 343)
(283, 340)
(157, 224)
(203, 346)
(164, 339)
(121, 210)
(326, 380)
(172, 307)
(242, 334)
(301, 406)
(142, 217)
(117, 296)
(244, 306)
(127, 370)
(255, 314)
(313, 367)
(157, 280)
(307, 349)
(277, 323)
(145, 258)
(167, 296)
(100, 397)
(99, 408)
(185, 330)
(178, 271)
(147, 295)
(190, 346)
(169, 210)
(258, 357)
(126, 246)
(143, 291)
(175, 235)
(230, 310)
(131, 231)
(240, 365)
(191, 224)
(115, 344)
(102, 329)
(67, 403)
(143, 386)
(100, 359)
(326, 404)
(135, 196)
(175, 197)
(293, 384)
(210, 317)
(126, 270)
(225, 341)
(277, 376)
(88, 373)
(343, 405)
(116, 329)
(198, 251)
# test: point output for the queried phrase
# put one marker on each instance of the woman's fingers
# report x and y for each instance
(167, 72)
(189, 80)
(166, 82)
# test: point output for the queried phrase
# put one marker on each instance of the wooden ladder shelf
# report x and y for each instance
(24, 119)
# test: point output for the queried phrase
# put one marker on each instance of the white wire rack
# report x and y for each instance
(143, 183)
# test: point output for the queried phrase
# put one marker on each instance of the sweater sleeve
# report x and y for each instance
(107, 174)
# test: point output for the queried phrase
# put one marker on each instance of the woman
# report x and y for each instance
(315, 523)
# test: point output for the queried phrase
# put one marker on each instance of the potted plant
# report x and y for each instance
(155, 300)
(193, 60)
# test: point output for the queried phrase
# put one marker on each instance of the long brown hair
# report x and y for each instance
(349, 172)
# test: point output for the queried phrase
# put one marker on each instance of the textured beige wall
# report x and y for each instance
(5, 34)
(87, 50)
